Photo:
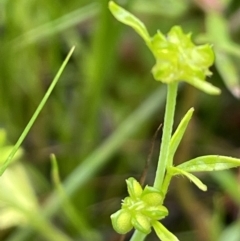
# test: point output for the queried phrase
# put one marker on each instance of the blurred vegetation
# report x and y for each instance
(102, 115)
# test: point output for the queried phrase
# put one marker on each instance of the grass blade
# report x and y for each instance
(35, 115)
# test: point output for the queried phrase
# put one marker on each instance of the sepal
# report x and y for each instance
(152, 196)
(134, 188)
(121, 221)
(142, 223)
(156, 213)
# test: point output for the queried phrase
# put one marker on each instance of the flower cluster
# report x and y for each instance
(177, 58)
(140, 209)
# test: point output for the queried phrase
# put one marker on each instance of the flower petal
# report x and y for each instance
(141, 223)
(134, 188)
(121, 221)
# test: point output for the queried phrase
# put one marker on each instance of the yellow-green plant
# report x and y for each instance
(177, 59)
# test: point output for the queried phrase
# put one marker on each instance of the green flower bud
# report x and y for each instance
(134, 188)
(141, 223)
(121, 221)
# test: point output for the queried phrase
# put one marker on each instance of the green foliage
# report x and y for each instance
(103, 112)
(210, 163)
(177, 58)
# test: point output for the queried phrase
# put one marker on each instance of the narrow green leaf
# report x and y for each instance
(209, 163)
(4, 166)
(163, 233)
(218, 31)
(56, 26)
(129, 19)
(228, 72)
(72, 213)
(191, 177)
(204, 86)
(6, 150)
(177, 136)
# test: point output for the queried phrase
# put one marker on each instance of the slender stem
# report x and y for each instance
(165, 184)
(138, 236)
(167, 132)
(163, 157)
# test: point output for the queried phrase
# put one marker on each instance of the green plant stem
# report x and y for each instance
(138, 236)
(164, 150)
(165, 184)
(56, 26)
(167, 132)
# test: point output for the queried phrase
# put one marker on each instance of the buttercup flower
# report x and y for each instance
(177, 57)
(140, 209)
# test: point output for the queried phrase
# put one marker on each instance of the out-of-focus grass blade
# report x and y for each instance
(217, 28)
(4, 166)
(170, 8)
(71, 212)
(228, 72)
(231, 233)
(56, 26)
(229, 184)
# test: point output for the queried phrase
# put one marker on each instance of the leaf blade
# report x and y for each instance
(209, 163)
(204, 86)
(191, 177)
(178, 134)
(129, 19)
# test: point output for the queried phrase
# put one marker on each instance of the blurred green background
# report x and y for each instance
(102, 116)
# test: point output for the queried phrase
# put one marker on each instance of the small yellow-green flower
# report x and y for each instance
(142, 210)
(177, 57)
(139, 210)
